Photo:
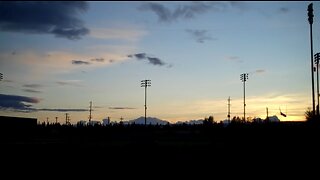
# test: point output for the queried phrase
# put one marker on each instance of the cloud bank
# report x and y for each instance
(58, 18)
(25, 104)
(17, 103)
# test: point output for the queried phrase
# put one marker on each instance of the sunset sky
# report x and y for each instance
(56, 57)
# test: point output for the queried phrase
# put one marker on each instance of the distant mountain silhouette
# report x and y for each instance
(274, 119)
(200, 121)
(150, 120)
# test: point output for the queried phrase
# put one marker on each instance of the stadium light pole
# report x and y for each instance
(310, 19)
(243, 78)
(145, 83)
(316, 60)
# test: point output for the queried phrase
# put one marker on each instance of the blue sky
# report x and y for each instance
(57, 61)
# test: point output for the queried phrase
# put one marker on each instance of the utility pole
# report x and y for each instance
(243, 78)
(316, 60)
(145, 83)
(90, 117)
(56, 120)
(229, 108)
(267, 113)
(310, 19)
(67, 119)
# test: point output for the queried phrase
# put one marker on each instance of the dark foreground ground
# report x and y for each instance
(263, 147)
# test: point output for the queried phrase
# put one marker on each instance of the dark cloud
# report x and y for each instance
(240, 5)
(139, 56)
(283, 10)
(187, 11)
(164, 14)
(155, 61)
(63, 110)
(32, 85)
(152, 60)
(98, 59)
(119, 108)
(17, 103)
(31, 91)
(200, 35)
(57, 17)
(80, 62)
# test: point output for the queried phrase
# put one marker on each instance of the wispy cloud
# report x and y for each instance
(152, 60)
(181, 12)
(58, 18)
(63, 110)
(35, 66)
(188, 11)
(8, 81)
(80, 62)
(259, 71)
(124, 34)
(32, 91)
(17, 103)
(69, 83)
(234, 59)
(32, 85)
(98, 59)
(200, 35)
(120, 108)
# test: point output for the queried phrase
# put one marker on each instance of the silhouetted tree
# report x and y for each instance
(310, 116)
(208, 121)
(236, 119)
